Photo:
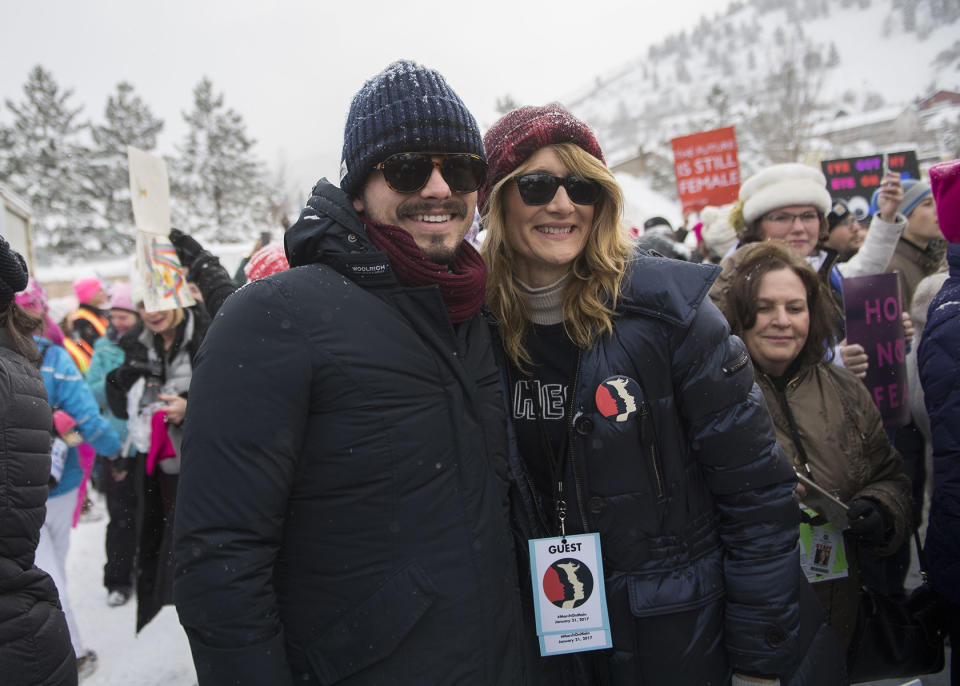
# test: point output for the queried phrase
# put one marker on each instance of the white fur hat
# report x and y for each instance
(717, 232)
(783, 185)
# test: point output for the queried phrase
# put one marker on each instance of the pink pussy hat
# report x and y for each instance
(120, 298)
(945, 183)
(86, 288)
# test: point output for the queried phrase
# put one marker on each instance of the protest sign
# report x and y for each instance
(707, 169)
(149, 192)
(872, 306)
(159, 272)
(854, 179)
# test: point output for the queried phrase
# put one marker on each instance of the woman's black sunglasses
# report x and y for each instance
(539, 188)
(408, 172)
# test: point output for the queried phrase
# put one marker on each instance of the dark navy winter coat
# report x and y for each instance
(939, 361)
(343, 493)
(693, 500)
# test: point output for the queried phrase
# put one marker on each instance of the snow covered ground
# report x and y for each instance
(159, 656)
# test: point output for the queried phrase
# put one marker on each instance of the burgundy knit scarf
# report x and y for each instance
(461, 283)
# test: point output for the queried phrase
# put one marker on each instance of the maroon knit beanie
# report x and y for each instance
(522, 132)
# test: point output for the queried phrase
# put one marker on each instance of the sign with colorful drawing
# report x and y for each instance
(159, 271)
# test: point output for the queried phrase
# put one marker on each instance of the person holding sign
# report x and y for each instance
(642, 438)
(825, 419)
(149, 390)
(790, 202)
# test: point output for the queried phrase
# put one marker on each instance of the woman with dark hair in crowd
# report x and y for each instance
(35, 644)
(636, 416)
(825, 418)
(150, 390)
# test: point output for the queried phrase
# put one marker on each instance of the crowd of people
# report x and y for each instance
(335, 472)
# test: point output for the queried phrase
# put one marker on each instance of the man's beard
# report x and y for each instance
(440, 253)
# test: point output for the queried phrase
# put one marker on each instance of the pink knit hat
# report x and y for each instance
(268, 260)
(86, 288)
(120, 297)
(945, 183)
(33, 298)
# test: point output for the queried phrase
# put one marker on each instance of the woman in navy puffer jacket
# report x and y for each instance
(939, 361)
(634, 407)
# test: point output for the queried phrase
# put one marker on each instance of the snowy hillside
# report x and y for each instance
(851, 56)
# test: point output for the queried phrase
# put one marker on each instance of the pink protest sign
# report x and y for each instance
(872, 305)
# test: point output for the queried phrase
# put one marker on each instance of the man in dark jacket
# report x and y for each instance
(343, 496)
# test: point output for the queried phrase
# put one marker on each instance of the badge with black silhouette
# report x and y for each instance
(569, 599)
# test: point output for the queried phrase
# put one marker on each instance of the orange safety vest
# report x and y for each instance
(80, 351)
(99, 323)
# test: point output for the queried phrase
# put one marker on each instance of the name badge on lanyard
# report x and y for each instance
(823, 555)
(569, 600)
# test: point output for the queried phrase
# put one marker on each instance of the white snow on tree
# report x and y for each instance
(127, 121)
(42, 155)
(218, 187)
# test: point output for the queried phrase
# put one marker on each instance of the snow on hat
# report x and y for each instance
(405, 108)
(783, 185)
(86, 288)
(945, 185)
(268, 260)
(913, 192)
(120, 297)
(13, 273)
(520, 133)
(33, 298)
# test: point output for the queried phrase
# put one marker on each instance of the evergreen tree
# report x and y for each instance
(41, 159)
(127, 121)
(833, 57)
(217, 183)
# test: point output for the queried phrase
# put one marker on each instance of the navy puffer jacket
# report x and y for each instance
(939, 361)
(693, 500)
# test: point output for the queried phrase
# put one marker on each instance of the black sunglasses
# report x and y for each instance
(408, 172)
(539, 188)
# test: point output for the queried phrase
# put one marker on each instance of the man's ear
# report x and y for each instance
(358, 204)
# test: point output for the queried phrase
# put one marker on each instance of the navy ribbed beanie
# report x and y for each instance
(405, 108)
(13, 273)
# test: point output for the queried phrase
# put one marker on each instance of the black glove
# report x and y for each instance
(867, 523)
(186, 246)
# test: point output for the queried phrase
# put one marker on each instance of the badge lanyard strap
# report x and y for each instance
(558, 458)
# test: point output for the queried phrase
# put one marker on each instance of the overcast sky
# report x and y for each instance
(290, 67)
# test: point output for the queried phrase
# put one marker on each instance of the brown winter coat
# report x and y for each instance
(914, 264)
(849, 454)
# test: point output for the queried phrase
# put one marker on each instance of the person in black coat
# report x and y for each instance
(159, 354)
(343, 509)
(35, 645)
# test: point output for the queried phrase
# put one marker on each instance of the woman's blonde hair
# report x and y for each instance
(590, 300)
